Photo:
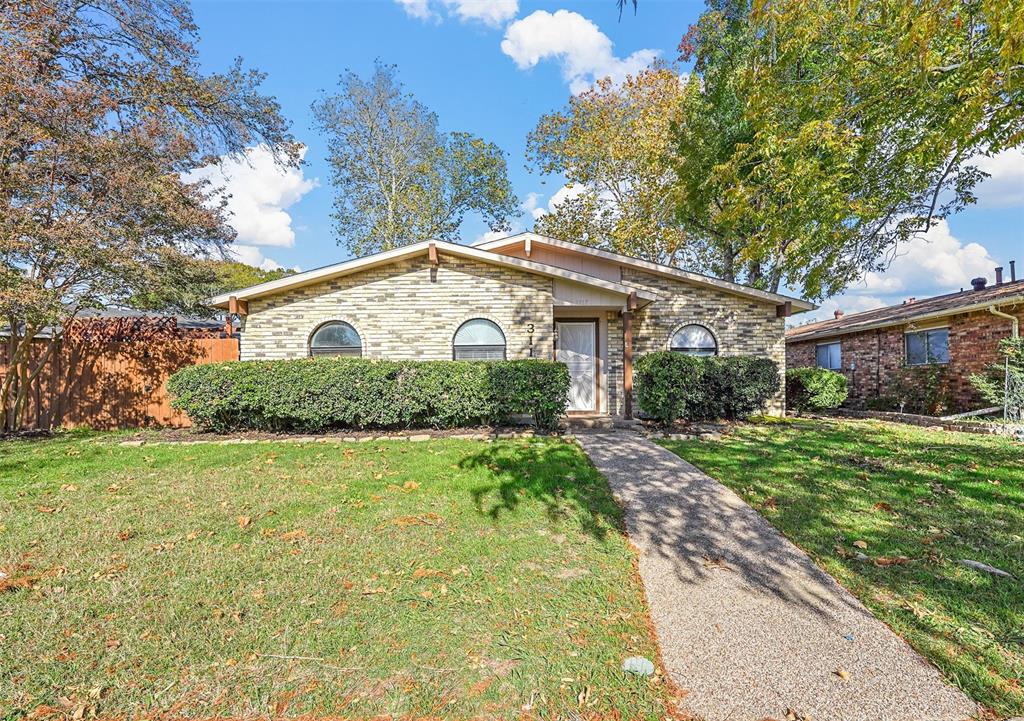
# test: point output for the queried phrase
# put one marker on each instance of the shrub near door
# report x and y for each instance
(318, 394)
(673, 386)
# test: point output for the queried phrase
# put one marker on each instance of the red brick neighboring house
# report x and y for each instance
(880, 351)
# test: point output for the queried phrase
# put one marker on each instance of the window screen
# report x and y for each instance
(478, 339)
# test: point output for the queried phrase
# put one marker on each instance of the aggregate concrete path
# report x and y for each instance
(747, 624)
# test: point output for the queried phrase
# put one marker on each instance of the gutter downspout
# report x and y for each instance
(1015, 334)
(1016, 321)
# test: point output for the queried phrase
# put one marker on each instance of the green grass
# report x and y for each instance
(450, 578)
(920, 500)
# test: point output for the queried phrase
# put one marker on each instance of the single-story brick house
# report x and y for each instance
(955, 335)
(521, 296)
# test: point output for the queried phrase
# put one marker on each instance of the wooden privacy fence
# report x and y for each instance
(120, 384)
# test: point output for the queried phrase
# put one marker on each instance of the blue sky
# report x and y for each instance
(492, 68)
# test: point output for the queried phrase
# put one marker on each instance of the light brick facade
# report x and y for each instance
(407, 310)
(742, 326)
(873, 359)
(410, 309)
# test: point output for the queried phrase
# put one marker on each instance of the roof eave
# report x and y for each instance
(352, 266)
(798, 304)
(936, 315)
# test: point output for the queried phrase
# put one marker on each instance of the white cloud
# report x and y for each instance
(490, 12)
(584, 52)
(417, 8)
(259, 193)
(493, 235)
(566, 192)
(251, 255)
(532, 205)
(931, 264)
(935, 262)
(494, 13)
(1005, 186)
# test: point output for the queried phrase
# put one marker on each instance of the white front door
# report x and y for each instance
(577, 348)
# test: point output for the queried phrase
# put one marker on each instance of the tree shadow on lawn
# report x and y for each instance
(556, 474)
(919, 502)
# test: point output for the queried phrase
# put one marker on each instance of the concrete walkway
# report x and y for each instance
(747, 624)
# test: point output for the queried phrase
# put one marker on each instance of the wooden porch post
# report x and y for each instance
(627, 357)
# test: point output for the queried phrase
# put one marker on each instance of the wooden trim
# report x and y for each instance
(784, 310)
(627, 365)
(597, 357)
(432, 253)
(631, 302)
(238, 307)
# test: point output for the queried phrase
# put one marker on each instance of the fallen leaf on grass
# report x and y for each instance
(427, 573)
(428, 519)
(69, 487)
(46, 509)
(244, 521)
(891, 561)
(860, 544)
(294, 535)
(411, 485)
(883, 506)
(16, 582)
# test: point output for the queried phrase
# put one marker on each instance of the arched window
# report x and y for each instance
(478, 339)
(335, 337)
(694, 339)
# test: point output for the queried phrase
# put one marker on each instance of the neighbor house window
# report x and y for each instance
(694, 340)
(335, 338)
(478, 339)
(927, 346)
(829, 356)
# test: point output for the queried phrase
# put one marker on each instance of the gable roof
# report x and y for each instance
(707, 281)
(939, 306)
(329, 272)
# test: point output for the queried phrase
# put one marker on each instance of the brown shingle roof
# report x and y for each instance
(937, 307)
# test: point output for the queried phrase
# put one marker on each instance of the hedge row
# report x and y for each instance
(317, 394)
(672, 386)
(814, 389)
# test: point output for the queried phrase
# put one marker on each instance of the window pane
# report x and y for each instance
(828, 356)
(479, 352)
(479, 332)
(335, 335)
(916, 352)
(336, 351)
(694, 339)
(835, 359)
(938, 346)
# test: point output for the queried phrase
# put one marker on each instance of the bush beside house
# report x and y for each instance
(318, 394)
(814, 389)
(673, 386)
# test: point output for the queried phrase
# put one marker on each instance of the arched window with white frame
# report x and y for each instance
(335, 338)
(694, 339)
(478, 339)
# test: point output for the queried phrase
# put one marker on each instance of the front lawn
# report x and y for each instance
(446, 578)
(912, 503)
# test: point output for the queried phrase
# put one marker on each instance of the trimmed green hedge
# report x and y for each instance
(318, 394)
(814, 389)
(673, 386)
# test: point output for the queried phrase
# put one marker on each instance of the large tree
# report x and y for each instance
(612, 145)
(397, 178)
(819, 136)
(187, 283)
(103, 108)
